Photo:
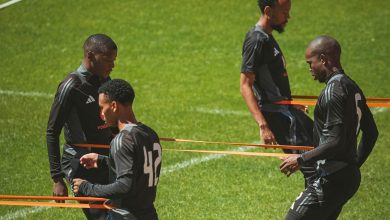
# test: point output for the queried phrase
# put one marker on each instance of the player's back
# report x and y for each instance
(136, 151)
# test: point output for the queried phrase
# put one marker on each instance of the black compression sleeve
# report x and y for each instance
(56, 121)
(328, 148)
(112, 191)
(102, 162)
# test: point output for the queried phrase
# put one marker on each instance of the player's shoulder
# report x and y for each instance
(134, 131)
(257, 34)
(72, 80)
(133, 135)
(334, 90)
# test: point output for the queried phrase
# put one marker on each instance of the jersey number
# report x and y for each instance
(150, 167)
(358, 97)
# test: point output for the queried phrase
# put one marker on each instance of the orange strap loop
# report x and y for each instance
(303, 102)
(89, 199)
(374, 99)
(289, 147)
(52, 204)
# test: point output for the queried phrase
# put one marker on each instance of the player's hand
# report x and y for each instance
(289, 164)
(266, 135)
(303, 108)
(76, 185)
(60, 189)
(89, 160)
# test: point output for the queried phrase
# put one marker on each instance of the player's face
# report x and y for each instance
(103, 63)
(106, 110)
(316, 66)
(280, 14)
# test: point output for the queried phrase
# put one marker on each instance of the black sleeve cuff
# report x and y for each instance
(300, 160)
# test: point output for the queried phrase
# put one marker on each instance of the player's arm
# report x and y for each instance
(118, 189)
(369, 136)
(331, 140)
(93, 160)
(246, 83)
(329, 147)
(123, 160)
(58, 114)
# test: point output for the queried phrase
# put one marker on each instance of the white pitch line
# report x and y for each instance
(379, 110)
(198, 160)
(26, 94)
(218, 111)
(9, 3)
(23, 213)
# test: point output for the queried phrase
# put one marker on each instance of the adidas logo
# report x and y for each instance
(276, 52)
(90, 100)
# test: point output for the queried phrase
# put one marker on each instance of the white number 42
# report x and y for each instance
(150, 166)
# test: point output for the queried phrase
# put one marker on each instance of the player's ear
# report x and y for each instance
(114, 106)
(268, 11)
(323, 58)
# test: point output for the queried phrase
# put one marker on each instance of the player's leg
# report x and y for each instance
(306, 206)
(335, 214)
(343, 185)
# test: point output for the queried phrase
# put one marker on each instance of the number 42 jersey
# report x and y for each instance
(136, 152)
(134, 164)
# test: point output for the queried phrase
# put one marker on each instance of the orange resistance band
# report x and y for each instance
(52, 204)
(302, 102)
(289, 147)
(258, 154)
(89, 199)
(374, 99)
(212, 142)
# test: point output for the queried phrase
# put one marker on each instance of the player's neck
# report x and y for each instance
(128, 118)
(265, 25)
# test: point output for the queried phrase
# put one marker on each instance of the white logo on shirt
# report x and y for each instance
(90, 100)
(276, 52)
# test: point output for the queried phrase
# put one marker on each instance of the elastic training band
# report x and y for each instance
(258, 154)
(288, 147)
(52, 204)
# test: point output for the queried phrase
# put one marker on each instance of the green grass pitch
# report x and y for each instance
(183, 58)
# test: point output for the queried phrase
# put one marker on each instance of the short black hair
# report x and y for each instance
(263, 3)
(99, 43)
(118, 90)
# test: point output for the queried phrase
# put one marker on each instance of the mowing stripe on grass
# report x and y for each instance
(26, 94)
(9, 3)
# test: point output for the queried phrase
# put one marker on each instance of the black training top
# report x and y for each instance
(341, 112)
(262, 56)
(76, 109)
(135, 163)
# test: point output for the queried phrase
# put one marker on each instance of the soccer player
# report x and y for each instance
(75, 108)
(264, 81)
(341, 112)
(134, 161)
